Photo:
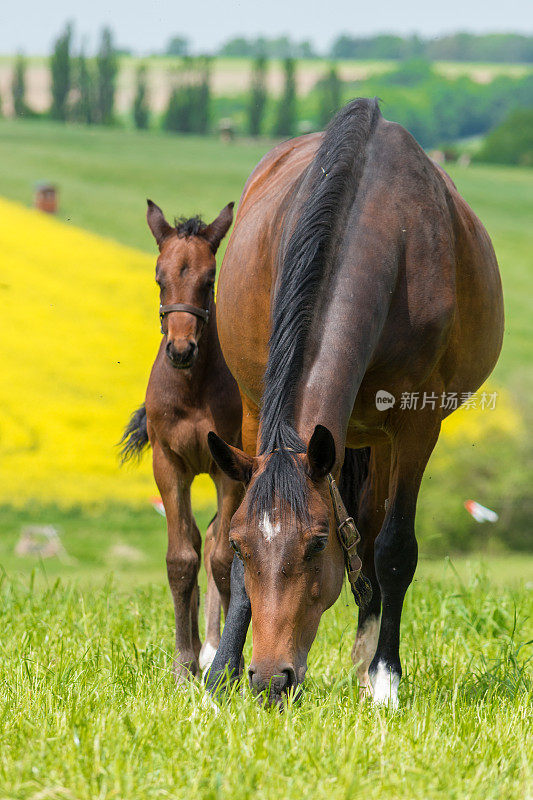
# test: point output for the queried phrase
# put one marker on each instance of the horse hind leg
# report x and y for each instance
(369, 511)
(396, 551)
(212, 604)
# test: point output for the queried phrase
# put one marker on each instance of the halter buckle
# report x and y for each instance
(349, 537)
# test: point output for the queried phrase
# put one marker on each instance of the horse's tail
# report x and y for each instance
(135, 437)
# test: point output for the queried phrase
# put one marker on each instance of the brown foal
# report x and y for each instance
(190, 392)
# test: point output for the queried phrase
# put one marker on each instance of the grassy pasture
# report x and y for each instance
(89, 709)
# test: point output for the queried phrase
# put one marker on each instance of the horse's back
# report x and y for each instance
(446, 312)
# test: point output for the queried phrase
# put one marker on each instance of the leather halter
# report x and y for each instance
(202, 313)
(349, 537)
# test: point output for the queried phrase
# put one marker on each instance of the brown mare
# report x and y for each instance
(190, 392)
(354, 266)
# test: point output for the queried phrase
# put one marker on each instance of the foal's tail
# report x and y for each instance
(135, 437)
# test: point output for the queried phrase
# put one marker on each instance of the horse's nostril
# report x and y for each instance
(291, 678)
(251, 675)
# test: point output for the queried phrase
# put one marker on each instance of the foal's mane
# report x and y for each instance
(189, 226)
(330, 184)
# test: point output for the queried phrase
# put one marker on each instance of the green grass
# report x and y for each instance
(105, 176)
(89, 708)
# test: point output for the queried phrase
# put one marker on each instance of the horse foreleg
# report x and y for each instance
(227, 661)
(370, 515)
(414, 436)
(238, 613)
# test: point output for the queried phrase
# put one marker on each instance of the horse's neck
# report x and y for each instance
(344, 333)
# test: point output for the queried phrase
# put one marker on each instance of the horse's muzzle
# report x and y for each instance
(182, 357)
(273, 688)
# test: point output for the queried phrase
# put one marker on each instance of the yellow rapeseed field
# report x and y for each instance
(78, 336)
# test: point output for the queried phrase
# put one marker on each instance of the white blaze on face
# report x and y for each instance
(269, 530)
(385, 686)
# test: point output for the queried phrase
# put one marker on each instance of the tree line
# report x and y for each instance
(491, 47)
(83, 90)
(436, 109)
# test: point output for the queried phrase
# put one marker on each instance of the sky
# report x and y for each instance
(146, 25)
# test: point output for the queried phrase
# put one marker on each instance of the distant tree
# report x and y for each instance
(177, 46)
(275, 47)
(84, 106)
(307, 50)
(141, 111)
(107, 69)
(330, 96)
(60, 68)
(511, 142)
(509, 47)
(238, 46)
(188, 109)
(203, 96)
(174, 119)
(286, 111)
(18, 87)
(258, 96)
(411, 72)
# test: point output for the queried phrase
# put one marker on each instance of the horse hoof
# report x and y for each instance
(384, 684)
(185, 671)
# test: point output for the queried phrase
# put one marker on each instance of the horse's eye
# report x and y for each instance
(316, 545)
(235, 547)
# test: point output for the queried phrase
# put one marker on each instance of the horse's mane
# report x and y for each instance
(191, 226)
(330, 184)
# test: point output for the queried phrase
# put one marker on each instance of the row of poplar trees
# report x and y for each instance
(83, 90)
(329, 95)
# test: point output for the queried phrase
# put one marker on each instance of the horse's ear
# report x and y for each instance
(321, 453)
(232, 461)
(157, 223)
(215, 232)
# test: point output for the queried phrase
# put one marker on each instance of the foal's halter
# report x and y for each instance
(349, 537)
(202, 313)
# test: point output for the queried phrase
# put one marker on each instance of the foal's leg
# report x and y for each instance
(396, 550)
(183, 557)
(212, 604)
(229, 496)
(370, 515)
